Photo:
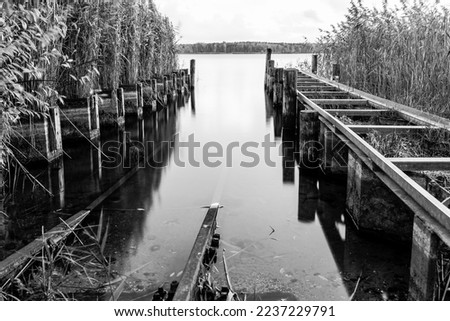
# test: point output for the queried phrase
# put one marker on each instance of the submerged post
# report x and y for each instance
(290, 99)
(268, 57)
(192, 73)
(314, 64)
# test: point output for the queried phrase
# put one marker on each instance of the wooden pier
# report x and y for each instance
(386, 196)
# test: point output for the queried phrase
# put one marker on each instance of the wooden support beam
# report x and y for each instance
(316, 88)
(188, 284)
(385, 129)
(192, 74)
(422, 163)
(357, 112)
(353, 102)
(314, 64)
(333, 92)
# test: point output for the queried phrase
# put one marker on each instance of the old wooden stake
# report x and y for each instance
(192, 74)
(314, 64)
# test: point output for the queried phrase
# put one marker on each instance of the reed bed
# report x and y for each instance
(399, 53)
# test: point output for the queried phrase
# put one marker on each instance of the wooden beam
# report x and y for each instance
(418, 199)
(385, 129)
(357, 112)
(422, 163)
(188, 283)
(353, 102)
(316, 88)
(327, 93)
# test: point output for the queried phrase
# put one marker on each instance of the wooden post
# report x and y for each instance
(336, 72)
(278, 88)
(424, 252)
(314, 64)
(165, 84)
(120, 107)
(174, 80)
(140, 100)
(155, 88)
(271, 76)
(268, 57)
(290, 99)
(192, 74)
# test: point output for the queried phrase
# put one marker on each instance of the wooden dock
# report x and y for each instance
(385, 196)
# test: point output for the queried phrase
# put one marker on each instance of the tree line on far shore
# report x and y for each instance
(245, 47)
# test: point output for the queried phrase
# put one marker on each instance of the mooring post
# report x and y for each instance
(424, 252)
(192, 74)
(174, 81)
(278, 88)
(165, 86)
(308, 138)
(271, 77)
(120, 107)
(336, 72)
(290, 99)
(268, 57)
(140, 99)
(94, 117)
(314, 64)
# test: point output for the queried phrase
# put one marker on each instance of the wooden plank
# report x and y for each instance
(9, 265)
(422, 163)
(316, 88)
(353, 102)
(358, 112)
(334, 92)
(434, 209)
(385, 129)
(188, 283)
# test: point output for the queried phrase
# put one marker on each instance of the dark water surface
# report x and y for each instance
(284, 230)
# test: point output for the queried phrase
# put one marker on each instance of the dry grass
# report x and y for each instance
(400, 54)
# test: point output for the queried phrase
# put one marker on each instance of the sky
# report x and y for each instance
(256, 20)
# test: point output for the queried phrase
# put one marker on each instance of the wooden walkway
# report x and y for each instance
(321, 113)
(389, 170)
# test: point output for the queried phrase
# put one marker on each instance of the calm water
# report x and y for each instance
(284, 230)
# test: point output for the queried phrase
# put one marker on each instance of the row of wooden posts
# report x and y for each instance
(41, 139)
(276, 78)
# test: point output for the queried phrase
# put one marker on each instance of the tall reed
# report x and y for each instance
(400, 53)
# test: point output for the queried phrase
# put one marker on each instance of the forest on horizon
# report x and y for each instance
(246, 47)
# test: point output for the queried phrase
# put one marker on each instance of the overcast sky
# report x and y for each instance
(256, 20)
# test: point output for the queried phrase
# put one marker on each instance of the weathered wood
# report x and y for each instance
(289, 99)
(358, 112)
(316, 88)
(422, 163)
(278, 88)
(16, 260)
(192, 74)
(331, 92)
(353, 102)
(385, 129)
(314, 64)
(412, 114)
(271, 76)
(188, 284)
(268, 57)
(416, 196)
